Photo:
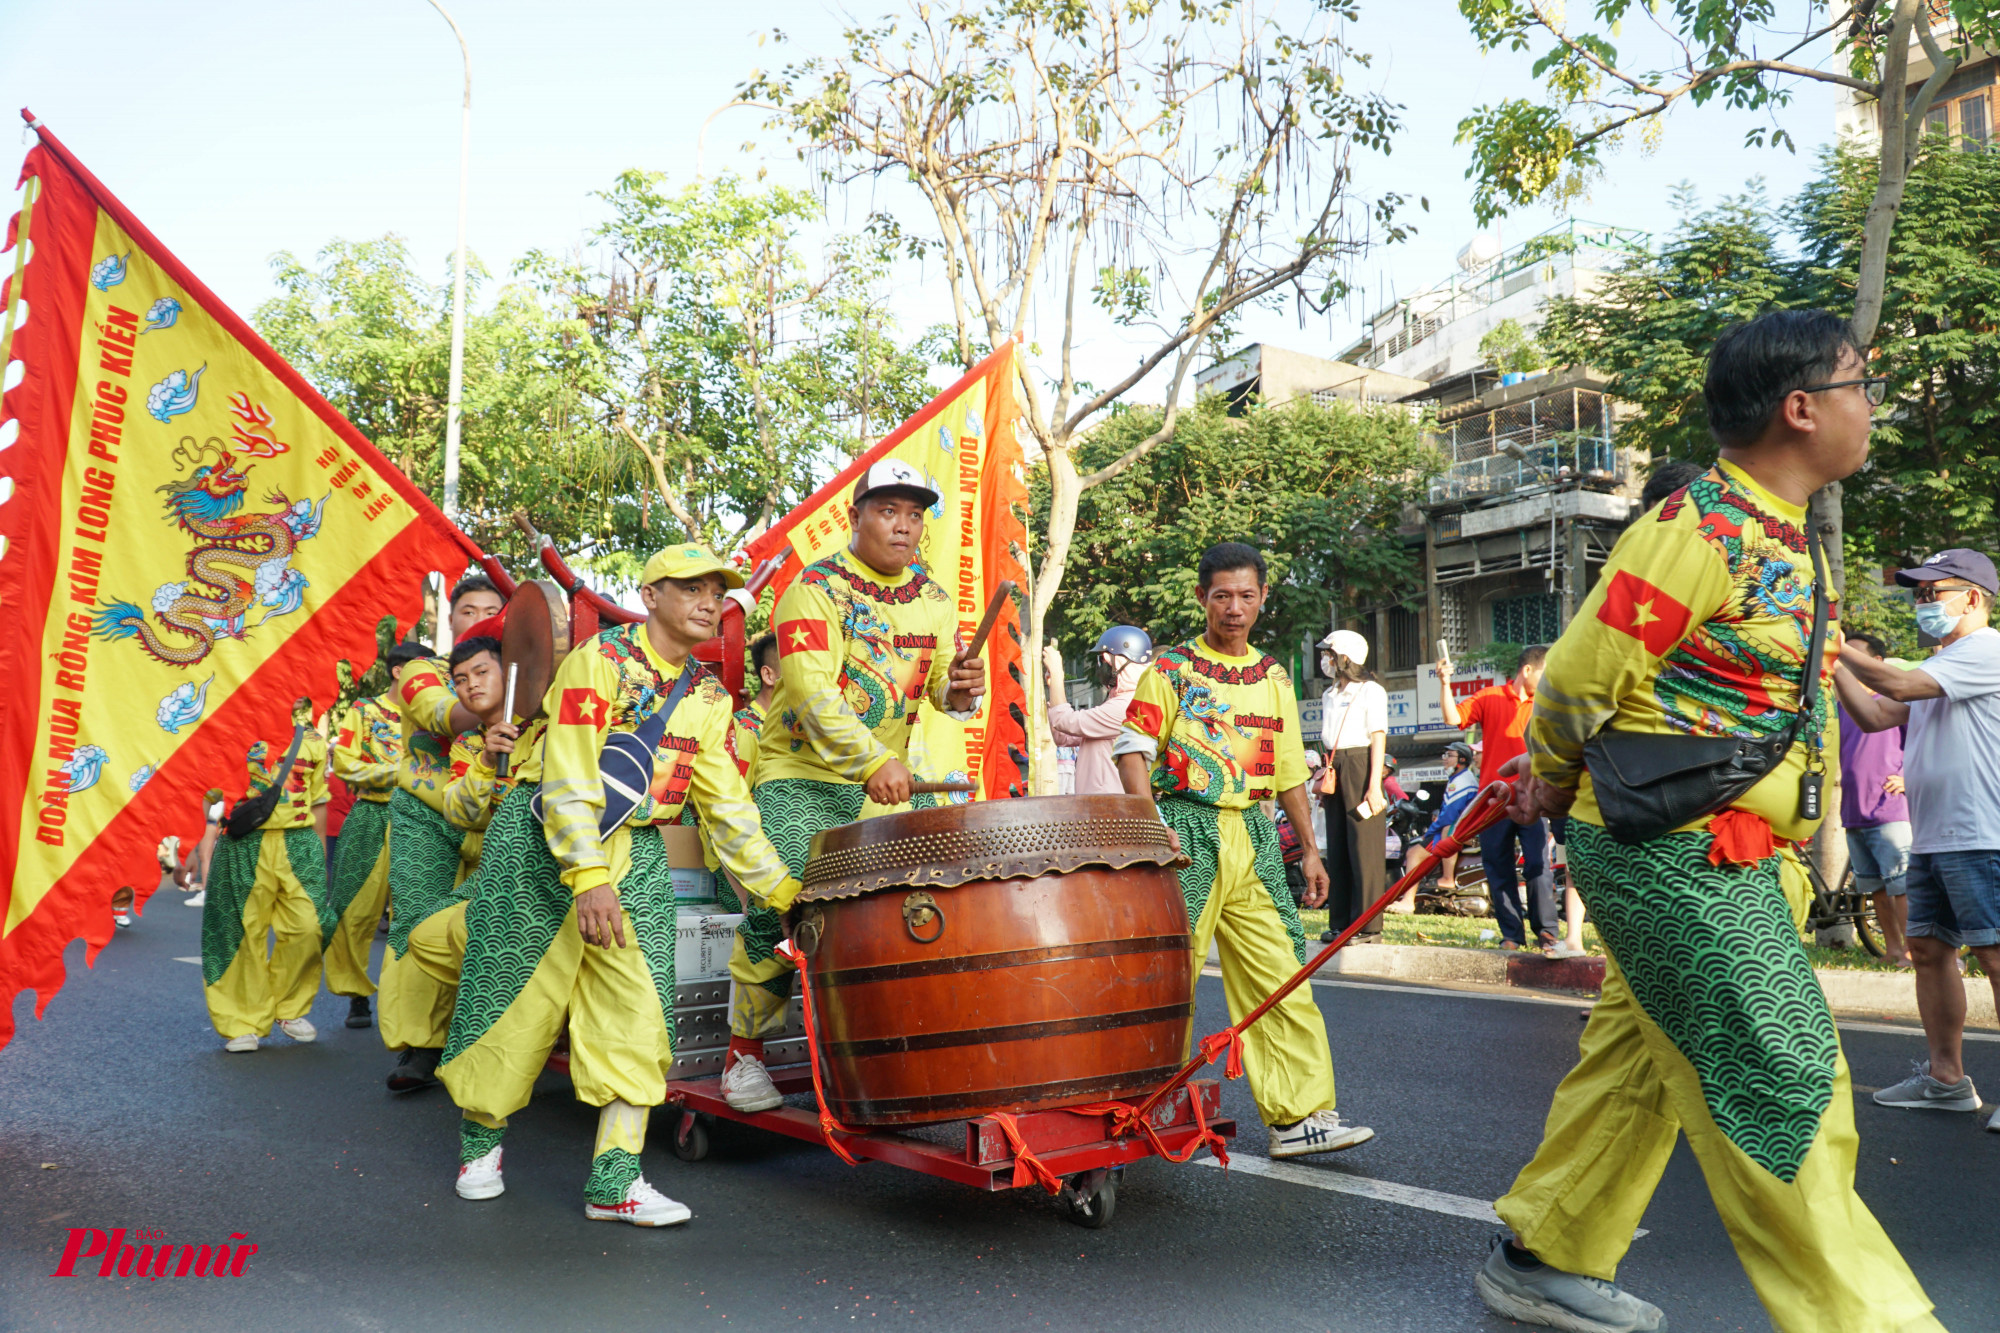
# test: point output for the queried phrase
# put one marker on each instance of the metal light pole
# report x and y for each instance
(455, 394)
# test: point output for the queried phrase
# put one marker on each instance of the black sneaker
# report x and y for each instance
(416, 1069)
(358, 1015)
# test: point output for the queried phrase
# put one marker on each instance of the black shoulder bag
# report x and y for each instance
(248, 816)
(1649, 785)
(626, 764)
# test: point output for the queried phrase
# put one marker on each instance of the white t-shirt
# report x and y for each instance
(1350, 714)
(1951, 756)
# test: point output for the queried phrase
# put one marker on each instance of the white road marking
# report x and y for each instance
(195, 961)
(1898, 1030)
(1386, 1191)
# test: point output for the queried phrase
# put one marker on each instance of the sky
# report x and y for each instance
(236, 130)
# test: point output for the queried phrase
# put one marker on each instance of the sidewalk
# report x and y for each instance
(1849, 992)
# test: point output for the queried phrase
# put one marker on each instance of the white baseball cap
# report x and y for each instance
(893, 474)
(1347, 644)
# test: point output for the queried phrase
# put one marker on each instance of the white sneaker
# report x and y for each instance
(1319, 1132)
(747, 1086)
(480, 1178)
(644, 1206)
(299, 1029)
(246, 1042)
(1562, 950)
(123, 920)
(195, 899)
(1994, 1123)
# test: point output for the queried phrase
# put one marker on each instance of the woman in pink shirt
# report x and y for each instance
(1121, 654)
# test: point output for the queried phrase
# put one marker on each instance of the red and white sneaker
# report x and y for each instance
(643, 1206)
(480, 1177)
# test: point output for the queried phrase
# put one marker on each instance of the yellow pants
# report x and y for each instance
(347, 950)
(619, 1045)
(258, 989)
(438, 945)
(414, 1007)
(1817, 1257)
(1285, 1053)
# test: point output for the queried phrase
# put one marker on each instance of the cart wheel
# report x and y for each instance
(691, 1137)
(1090, 1199)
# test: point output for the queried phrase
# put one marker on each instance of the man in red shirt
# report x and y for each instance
(1501, 713)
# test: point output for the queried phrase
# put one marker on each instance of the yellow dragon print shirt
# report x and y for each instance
(858, 651)
(1222, 730)
(304, 789)
(475, 791)
(1698, 625)
(612, 683)
(368, 747)
(425, 698)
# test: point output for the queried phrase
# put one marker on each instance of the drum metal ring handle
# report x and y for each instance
(812, 924)
(919, 910)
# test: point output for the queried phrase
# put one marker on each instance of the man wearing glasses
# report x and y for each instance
(1711, 1022)
(1951, 707)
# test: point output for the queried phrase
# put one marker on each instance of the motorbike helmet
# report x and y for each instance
(1126, 641)
(1463, 751)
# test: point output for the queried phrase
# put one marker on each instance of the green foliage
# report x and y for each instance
(1317, 489)
(1867, 607)
(1501, 658)
(372, 336)
(1510, 348)
(1728, 51)
(1649, 325)
(1934, 473)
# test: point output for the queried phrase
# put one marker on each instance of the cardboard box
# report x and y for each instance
(683, 844)
(702, 944)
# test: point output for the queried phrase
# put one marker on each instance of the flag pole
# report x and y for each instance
(456, 392)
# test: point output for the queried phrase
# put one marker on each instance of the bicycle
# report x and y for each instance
(1831, 907)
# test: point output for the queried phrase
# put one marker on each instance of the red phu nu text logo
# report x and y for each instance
(150, 1260)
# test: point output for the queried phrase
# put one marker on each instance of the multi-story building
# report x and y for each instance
(1967, 107)
(1278, 375)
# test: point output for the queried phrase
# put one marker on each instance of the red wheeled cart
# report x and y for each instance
(1076, 1149)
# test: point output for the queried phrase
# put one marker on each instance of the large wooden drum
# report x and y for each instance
(1000, 956)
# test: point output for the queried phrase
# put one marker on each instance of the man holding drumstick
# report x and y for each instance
(864, 638)
(576, 915)
(1214, 729)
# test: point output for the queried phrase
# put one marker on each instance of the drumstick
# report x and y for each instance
(986, 622)
(937, 788)
(507, 715)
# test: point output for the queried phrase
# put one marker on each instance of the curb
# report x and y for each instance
(1873, 994)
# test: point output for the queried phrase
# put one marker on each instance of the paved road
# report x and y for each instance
(348, 1192)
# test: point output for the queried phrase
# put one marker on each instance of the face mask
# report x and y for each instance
(1326, 665)
(1934, 620)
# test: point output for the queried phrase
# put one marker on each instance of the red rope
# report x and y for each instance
(828, 1125)
(1486, 810)
(1027, 1166)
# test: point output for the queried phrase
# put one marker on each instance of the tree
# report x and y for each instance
(1933, 477)
(1168, 164)
(712, 352)
(1523, 151)
(1648, 326)
(1318, 489)
(372, 336)
(1511, 349)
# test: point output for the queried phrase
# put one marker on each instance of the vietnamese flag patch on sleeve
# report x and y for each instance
(1144, 716)
(1635, 607)
(802, 636)
(581, 708)
(417, 682)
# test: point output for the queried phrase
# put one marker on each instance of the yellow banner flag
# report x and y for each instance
(193, 537)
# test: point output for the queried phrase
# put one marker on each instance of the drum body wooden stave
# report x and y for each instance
(1000, 956)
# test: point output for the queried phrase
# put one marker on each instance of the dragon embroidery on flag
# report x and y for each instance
(240, 561)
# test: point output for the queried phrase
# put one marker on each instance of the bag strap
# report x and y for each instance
(654, 724)
(1816, 647)
(291, 758)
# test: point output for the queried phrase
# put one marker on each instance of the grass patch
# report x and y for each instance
(1464, 932)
